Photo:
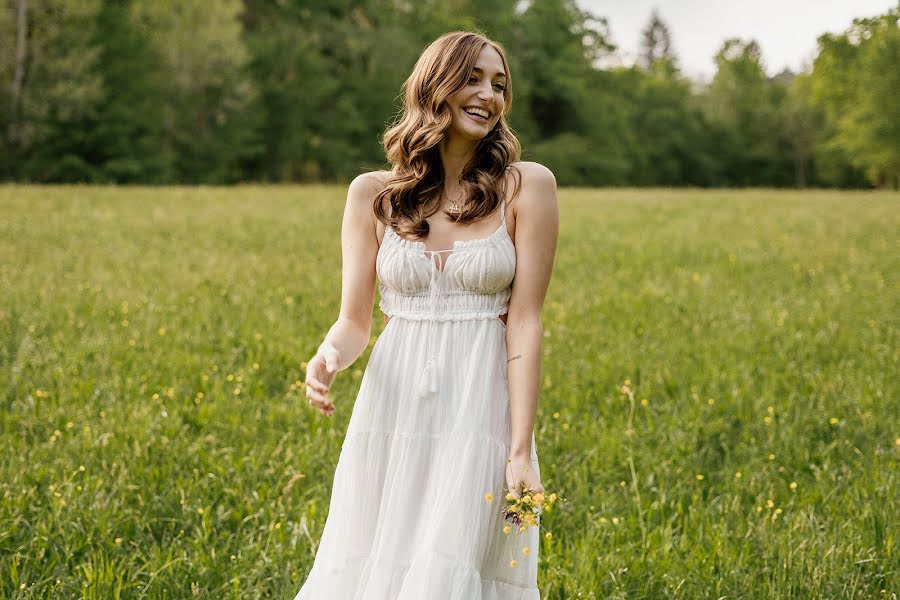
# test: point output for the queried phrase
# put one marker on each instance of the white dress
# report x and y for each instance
(428, 437)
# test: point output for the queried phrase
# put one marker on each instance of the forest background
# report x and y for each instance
(228, 91)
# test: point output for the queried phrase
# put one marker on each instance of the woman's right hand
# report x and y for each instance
(320, 373)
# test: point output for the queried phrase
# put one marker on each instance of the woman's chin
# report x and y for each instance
(472, 134)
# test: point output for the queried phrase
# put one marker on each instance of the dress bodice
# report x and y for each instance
(474, 280)
(475, 283)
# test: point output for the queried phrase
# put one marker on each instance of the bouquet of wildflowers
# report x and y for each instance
(523, 512)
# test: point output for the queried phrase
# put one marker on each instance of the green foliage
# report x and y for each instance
(298, 90)
(855, 76)
(703, 351)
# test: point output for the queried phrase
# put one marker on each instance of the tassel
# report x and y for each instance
(431, 375)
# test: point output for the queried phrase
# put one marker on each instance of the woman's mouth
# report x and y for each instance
(479, 115)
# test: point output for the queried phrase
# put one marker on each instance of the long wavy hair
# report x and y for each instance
(411, 143)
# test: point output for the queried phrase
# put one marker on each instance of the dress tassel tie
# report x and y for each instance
(430, 373)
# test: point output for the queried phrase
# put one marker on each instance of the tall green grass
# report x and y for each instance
(719, 405)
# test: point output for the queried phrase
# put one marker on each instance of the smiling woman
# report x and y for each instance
(443, 419)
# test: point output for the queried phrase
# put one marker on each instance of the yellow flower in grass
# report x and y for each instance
(539, 497)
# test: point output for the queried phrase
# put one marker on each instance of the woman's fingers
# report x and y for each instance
(519, 473)
(316, 396)
(316, 388)
(511, 481)
(320, 402)
(317, 385)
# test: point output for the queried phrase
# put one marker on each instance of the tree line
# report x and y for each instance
(223, 91)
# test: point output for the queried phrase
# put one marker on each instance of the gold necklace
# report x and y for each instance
(455, 206)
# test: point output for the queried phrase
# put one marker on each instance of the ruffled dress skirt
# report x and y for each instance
(408, 518)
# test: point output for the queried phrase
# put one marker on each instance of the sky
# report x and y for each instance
(786, 30)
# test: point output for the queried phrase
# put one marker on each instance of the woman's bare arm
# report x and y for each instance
(537, 231)
(351, 332)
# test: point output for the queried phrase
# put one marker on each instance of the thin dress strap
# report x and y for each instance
(503, 211)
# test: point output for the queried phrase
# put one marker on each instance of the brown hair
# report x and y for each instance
(411, 142)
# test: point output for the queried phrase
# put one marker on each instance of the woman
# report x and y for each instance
(446, 408)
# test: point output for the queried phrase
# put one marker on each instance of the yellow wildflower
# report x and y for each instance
(513, 563)
(489, 497)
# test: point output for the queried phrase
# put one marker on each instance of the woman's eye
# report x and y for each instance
(500, 86)
(473, 80)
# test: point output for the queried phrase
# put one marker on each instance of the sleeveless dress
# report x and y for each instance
(428, 437)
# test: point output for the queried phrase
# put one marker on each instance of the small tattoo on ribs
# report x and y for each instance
(515, 357)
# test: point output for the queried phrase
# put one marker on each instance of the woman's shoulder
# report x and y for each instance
(534, 173)
(370, 182)
(366, 186)
(536, 184)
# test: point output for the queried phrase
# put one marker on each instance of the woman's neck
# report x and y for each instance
(455, 154)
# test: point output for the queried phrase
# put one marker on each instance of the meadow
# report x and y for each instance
(719, 403)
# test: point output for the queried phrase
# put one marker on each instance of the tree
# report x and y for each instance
(855, 81)
(745, 104)
(209, 118)
(656, 42)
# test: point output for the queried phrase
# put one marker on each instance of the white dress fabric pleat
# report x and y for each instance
(429, 436)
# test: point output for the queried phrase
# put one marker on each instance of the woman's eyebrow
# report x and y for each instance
(499, 73)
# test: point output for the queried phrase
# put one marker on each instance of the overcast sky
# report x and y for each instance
(786, 30)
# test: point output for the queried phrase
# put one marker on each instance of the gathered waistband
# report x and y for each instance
(459, 315)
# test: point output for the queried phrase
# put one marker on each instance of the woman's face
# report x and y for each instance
(477, 107)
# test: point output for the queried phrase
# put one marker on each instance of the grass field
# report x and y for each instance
(719, 404)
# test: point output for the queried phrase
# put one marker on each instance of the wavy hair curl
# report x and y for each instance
(414, 189)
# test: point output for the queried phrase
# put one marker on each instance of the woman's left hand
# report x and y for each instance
(519, 470)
